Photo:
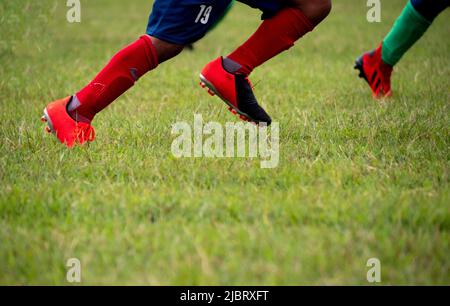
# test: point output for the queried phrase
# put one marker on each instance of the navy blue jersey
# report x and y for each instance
(430, 9)
(184, 22)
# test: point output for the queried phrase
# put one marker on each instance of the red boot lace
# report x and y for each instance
(84, 132)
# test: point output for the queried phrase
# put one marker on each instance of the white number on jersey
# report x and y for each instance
(205, 13)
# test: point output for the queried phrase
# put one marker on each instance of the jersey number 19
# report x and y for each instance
(205, 13)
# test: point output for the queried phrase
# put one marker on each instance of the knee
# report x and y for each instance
(315, 10)
(165, 50)
(324, 8)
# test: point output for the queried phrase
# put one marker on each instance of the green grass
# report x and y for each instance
(356, 179)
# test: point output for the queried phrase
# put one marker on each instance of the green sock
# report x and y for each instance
(407, 30)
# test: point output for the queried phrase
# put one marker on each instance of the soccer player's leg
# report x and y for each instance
(284, 23)
(70, 118)
(171, 27)
(376, 66)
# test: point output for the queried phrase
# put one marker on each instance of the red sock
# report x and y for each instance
(274, 36)
(119, 75)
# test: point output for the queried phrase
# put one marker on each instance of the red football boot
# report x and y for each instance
(67, 130)
(235, 90)
(376, 73)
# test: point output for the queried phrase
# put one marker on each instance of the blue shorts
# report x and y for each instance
(184, 22)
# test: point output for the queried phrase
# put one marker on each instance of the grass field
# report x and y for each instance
(356, 179)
